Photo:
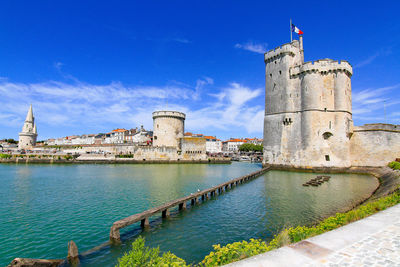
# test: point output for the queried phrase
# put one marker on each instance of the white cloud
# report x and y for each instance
(81, 105)
(382, 52)
(230, 112)
(367, 102)
(259, 48)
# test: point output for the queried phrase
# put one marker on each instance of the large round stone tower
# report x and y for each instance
(168, 128)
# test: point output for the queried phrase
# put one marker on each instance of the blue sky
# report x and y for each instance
(92, 66)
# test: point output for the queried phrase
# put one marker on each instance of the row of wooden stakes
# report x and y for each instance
(317, 181)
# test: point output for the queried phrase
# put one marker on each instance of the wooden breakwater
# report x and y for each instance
(181, 203)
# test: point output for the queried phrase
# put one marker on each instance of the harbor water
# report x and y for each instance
(42, 207)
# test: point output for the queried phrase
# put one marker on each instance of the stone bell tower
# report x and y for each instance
(28, 135)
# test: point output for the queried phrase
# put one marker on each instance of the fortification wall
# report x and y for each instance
(193, 148)
(375, 144)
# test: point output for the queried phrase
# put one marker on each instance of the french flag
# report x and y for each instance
(296, 30)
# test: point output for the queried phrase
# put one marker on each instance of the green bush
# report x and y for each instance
(394, 165)
(5, 156)
(68, 157)
(234, 252)
(140, 255)
(125, 156)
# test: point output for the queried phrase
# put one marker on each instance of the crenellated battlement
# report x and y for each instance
(292, 48)
(172, 114)
(322, 66)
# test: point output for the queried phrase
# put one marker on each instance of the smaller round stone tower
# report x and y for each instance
(27, 138)
(168, 128)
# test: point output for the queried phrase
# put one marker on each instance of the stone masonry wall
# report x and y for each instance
(372, 146)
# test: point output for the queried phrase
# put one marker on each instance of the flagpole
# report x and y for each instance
(291, 38)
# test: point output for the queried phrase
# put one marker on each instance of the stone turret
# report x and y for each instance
(168, 128)
(28, 135)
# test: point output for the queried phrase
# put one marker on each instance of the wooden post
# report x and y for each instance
(165, 213)
(182, 206)
(114, 235)
(145, 222)
(73, 254)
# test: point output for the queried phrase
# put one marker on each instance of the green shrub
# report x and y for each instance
(125, 156)
(68, 157)
(394, 165)
(5, 156)
(234, 252)
(140, 255)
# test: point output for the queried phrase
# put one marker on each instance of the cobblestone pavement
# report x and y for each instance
(380, 249)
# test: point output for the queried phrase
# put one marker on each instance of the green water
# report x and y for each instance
(45, 206)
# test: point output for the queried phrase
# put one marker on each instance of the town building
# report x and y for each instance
(28, 135)
(213, 145)
(254, 141)
(232, 145)
(308, 115)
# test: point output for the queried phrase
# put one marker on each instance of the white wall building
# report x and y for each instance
(213, 145)
(232, 145)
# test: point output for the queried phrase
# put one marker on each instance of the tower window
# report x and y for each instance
(327, 158)
(330, 125)
(275, 61)
(270, 75)
(280, 72)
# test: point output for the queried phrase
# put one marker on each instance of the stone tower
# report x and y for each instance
(308, 119)
(168, 128)
(27, 137)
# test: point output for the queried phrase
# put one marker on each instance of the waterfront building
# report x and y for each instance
(141, 136)
(232, 145)
(254, 141)
(28, 135)
(116, 136)
(213, 145)
(308, 115)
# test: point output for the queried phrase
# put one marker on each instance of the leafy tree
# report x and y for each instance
(248, 147)
(11, 141)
